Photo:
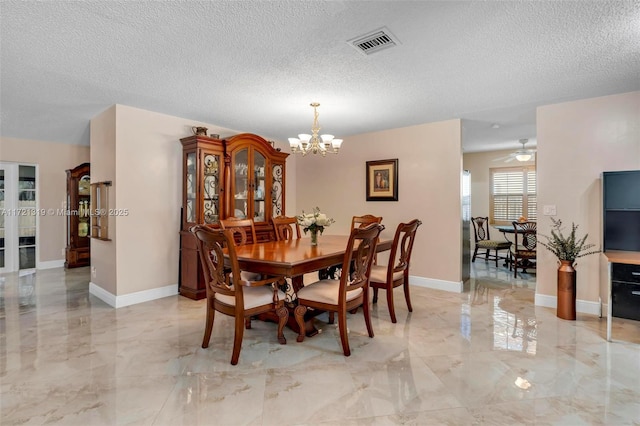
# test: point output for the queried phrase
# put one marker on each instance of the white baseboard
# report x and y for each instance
(132, 298)
(582, 306)
(50, 264)
(452, 286)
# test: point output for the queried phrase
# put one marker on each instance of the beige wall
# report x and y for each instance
(140, 152)
(53, 159)
(103, 168)
(430, 166)
(577, 141)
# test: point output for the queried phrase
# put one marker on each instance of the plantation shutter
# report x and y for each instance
(513, 194)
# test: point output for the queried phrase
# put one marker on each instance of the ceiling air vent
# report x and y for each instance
(374, 41)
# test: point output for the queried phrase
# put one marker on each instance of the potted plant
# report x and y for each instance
(567, 249)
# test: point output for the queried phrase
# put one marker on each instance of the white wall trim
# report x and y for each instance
(50, 264)
(582, 306)
(452, 286)
(132, 298)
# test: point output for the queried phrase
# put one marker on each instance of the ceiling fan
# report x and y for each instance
(520, 155)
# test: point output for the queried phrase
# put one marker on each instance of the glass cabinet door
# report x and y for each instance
(190, 183)
(277, 190)
(84, 196)
(241, 184)
(211, 188)
(259, 187)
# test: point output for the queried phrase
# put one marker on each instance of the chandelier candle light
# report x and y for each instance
(313, 143)
(314, 222)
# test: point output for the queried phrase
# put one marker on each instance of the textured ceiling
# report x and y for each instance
(256, 66)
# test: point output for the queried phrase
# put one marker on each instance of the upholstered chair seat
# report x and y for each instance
(253, 297)
(326, 291)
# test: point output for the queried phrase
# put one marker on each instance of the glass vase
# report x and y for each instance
(314, 237)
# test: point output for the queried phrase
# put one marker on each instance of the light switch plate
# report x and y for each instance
(549, 210)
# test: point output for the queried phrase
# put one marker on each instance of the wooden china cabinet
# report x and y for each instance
(242, 176)
(77, 252)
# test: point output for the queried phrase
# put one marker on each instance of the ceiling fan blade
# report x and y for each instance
(502, 158)
(510, 159)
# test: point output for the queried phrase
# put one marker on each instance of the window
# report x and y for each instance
(513, 194)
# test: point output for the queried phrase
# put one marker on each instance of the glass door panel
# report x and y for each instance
(241, 183)
(84, 209)
(211, 188)
(259, 195)
(27, 217)
(2, 214)
(190, 214)
(277, 190)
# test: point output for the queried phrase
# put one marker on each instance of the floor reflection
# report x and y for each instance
(486, 356)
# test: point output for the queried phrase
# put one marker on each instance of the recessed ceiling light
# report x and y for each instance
(495, 126)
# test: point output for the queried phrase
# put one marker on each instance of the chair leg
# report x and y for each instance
(247, 323)
(332, 317)
(209, 325)
(367, 313)
(407, 295)
(237, 340)
(375, 294)
(475, 253)
(392, 309)
(496, 258)
(283, 317)
(342, 325)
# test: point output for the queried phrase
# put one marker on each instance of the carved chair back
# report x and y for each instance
(243, 230)
(286, 227)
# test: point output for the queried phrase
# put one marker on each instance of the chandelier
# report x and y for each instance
(313, 143)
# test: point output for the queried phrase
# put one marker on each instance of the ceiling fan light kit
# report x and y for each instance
(521, 155)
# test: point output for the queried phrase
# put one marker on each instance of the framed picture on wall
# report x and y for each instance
(382, 180)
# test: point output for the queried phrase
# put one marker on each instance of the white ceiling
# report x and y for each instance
(256, 66)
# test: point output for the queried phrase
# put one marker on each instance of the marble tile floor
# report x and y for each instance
(487, 356)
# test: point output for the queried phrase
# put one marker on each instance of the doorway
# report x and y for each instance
(18, 216)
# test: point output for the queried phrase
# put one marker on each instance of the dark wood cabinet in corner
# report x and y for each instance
(77, 252)
(242, 176)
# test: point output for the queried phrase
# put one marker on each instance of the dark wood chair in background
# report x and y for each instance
(362, 221)
(233, 296)
(484, 242)
(286, 228)
(243, 230)
(352, 290)
(396, 272)
(523, 251)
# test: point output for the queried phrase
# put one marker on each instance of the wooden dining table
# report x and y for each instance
(293, 259)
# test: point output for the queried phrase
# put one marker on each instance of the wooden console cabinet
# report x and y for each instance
(242, 176)
(77, 252)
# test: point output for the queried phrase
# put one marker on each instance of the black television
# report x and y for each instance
(621, 218)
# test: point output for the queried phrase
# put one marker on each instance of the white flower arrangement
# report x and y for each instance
(315, 221)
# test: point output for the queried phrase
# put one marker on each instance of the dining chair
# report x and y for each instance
(362, 221)
(243, 230)
(524, 252)
(284, 228)
(233, 296)
(484, 242)
(352, 290)
(335, 271)
(396, 272)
